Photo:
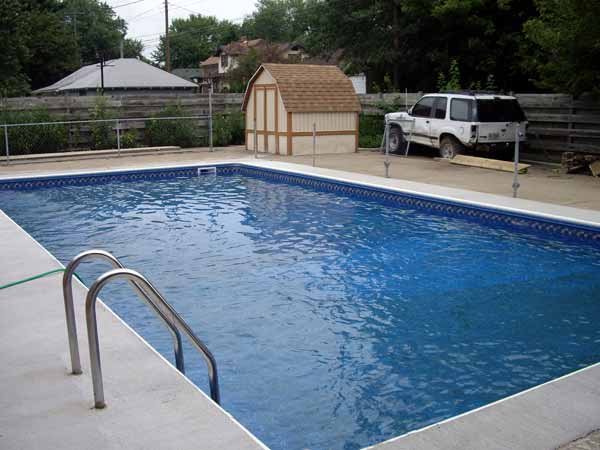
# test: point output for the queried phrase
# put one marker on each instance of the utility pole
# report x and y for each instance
(102, 74)
(167, 43)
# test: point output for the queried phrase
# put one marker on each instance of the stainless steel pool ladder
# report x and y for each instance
(147, 292)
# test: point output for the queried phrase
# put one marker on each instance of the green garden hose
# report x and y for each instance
(34, 277)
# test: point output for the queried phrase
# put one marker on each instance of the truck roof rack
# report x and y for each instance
(471, 92)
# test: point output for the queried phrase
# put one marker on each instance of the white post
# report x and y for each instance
(210, 118)
(255, 141)
(386, 163)
(314, 155)
(516, 184)
(118, 138)
(6, 144)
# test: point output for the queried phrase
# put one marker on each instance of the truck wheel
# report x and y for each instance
(450, 147)
(397, 140)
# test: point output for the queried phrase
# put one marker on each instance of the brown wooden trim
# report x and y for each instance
(357, 132)
(325, 133)
(276, 121)
(289, 134)
(265, 86)
(254, 124)
(307, 133)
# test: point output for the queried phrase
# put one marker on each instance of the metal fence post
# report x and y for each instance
(210, 118)
(314, 155)
(118, 137)
(387, 163)
(6, 144)
(516, 184)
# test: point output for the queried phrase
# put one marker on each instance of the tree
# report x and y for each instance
(13, 31)
(52, 47)
(194, 39)
(247, 64)
(565, 46)
(133, 48)
(96, 27)
(278, 20)
(36, 45)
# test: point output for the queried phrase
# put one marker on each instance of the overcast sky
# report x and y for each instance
(146, 20)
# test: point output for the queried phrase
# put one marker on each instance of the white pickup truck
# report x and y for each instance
(451, 122)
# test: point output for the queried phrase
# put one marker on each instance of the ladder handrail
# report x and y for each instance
(167, 309)
(70, 312)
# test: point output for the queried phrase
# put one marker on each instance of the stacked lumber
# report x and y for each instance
(572, 162)
(486, 163)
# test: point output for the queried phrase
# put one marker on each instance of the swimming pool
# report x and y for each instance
(339, 316)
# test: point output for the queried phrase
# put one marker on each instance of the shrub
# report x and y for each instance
(129, 139)
(183, 132)
(228, 129)
(102, 134)
(371, 130)
(33, 139)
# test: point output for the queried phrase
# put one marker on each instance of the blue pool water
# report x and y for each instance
(337, 322)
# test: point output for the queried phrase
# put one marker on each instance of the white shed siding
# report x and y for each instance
(282, 113)
(283, 145)
(265, 78)
(302, 145)
(327, 121)
(250, 113)
(270, 109)
(260, 116)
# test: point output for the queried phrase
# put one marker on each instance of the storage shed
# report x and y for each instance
(287, 99)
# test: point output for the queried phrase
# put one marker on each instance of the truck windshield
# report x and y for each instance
(499, 110)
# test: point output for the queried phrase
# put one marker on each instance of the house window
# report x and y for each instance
(224, 60)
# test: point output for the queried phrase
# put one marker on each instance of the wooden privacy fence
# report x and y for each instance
(74, 108)
(557, 123)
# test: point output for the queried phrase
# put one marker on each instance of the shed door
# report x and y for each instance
(266, 122)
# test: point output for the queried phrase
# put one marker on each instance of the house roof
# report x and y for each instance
(310, 88)
(241, 47)
(210, 61)
(187, 72)
(124, 73)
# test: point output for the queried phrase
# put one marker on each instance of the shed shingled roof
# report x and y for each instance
(310, 88)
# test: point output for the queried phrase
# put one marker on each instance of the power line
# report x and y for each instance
(127, 4)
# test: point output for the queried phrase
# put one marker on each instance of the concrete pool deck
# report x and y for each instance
(150, 404)
(43, 406)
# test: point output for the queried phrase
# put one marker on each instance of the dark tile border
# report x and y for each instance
(519, 222)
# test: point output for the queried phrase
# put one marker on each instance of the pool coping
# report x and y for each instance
(560, 214)
(538, 210)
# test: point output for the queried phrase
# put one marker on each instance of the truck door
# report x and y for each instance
(421, 113)
(438, 120)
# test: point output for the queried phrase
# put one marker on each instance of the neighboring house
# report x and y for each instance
(125, 76)
(209, 73)
(359, 82)
(227, 57)
(191, 74)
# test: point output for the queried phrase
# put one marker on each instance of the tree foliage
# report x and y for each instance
(238, 77)
(566, 40)
(510, 45)
(194, 39)
(279, 20)
(43, 40)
